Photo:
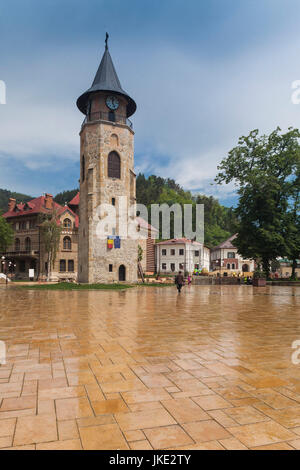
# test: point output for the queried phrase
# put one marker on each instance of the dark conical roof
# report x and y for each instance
(106, 79)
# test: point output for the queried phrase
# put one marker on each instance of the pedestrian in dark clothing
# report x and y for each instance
(179, 281)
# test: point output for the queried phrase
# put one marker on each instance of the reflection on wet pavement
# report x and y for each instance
(147, 368)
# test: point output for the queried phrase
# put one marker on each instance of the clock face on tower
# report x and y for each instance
(112, 102)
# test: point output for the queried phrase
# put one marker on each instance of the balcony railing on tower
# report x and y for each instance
(110, 116)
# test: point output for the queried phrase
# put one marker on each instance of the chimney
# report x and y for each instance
(48, 201)
(11, 204)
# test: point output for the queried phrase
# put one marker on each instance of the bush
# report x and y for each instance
(258, 274)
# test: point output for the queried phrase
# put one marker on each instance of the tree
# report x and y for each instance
(140, 253)
(6, 235)
(293, 230)
(265, 169)
(5, 194)
(219, 221)
(50, 238)
(65, 196)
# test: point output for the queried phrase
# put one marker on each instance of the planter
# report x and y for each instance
(259, 282)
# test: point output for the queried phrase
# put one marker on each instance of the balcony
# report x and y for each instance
(110, 117)
(22, 253)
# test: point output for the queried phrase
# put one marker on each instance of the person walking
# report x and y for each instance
(179, 281)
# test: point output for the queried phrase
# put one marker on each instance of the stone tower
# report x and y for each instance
(107, 173)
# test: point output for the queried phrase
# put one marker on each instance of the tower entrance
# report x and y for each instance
(122, 273)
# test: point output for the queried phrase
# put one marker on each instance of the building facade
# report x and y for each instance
(181, 254)
(27, 252)
(225, 258)
(107, 177)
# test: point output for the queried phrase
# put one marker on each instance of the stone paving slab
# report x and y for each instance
(150, 369)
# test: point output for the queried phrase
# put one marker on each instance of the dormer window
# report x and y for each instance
(67, 223)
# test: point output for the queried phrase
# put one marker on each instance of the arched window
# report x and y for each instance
(17, 244)
(27, 244)
(67, 223)
(82, 168)
(233, 266)
(228, 266)
(67, 243)
(114, 165)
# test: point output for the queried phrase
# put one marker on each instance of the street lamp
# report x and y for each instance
(4, 266)
(5, 263)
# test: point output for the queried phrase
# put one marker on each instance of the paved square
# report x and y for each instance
(147, 368)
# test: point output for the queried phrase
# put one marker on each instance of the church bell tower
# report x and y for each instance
(106, 174)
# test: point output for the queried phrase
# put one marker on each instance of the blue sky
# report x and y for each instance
(202, 73)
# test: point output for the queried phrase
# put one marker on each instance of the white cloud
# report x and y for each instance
(191, 110)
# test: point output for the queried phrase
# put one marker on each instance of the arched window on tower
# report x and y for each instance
(114, 165)
(82, 168)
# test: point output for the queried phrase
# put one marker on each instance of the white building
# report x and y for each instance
(181, 254)
(225, 257)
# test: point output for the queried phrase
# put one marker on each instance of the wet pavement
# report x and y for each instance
(147, 368)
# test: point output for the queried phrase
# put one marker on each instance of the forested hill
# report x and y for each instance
(65, 196)
(219, 220)
(5, 194)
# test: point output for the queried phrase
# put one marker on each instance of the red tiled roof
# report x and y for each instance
(35, 206)
(227, 243)
(75, 200)
(177, 241)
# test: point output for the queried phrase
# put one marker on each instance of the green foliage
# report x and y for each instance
(219, 221)
(50, 237)
(5, 195)
(140, 253)
(259, 274)
(6, 234)
(266, 170)
(65, 196)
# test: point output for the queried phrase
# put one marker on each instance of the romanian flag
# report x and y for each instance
(110, 243)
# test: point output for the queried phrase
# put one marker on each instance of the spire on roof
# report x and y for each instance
(106, 79)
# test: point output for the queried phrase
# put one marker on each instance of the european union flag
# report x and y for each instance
(117, 242)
